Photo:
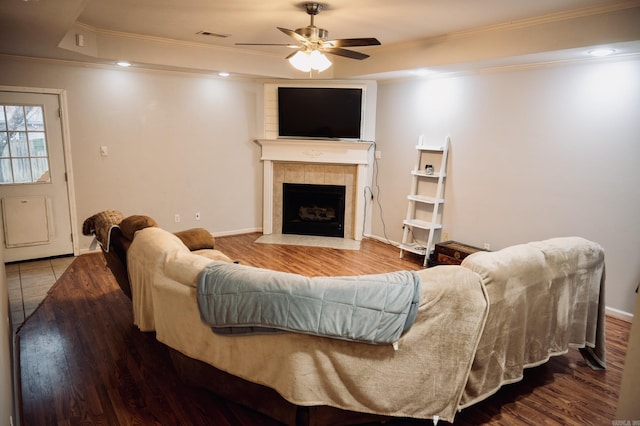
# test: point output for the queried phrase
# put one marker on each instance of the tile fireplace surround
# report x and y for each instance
(315, 162)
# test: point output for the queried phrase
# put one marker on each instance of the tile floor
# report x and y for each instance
(29, 282)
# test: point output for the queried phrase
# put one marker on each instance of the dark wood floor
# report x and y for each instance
(83, 362)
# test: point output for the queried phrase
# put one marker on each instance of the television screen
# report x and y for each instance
(320, 112)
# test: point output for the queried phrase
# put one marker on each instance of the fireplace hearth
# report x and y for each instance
(313, 209)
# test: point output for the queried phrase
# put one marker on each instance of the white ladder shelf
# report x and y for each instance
(430, 201)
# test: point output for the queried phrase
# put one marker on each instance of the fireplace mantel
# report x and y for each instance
(314, 151)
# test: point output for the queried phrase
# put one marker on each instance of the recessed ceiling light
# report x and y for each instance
(123, 63)
(421, 72)
(601, 52)
(224, 74)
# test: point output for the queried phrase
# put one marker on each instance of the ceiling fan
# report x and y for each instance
(313, 39)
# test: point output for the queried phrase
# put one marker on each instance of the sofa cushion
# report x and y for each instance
(196, 239)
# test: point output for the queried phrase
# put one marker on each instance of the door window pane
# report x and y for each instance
(15, 117)
(37, 144)
(4, 145)
(21, 170)
(40, 169)
(18, 144)
(23, 145)
(6, 176)
(35, 121)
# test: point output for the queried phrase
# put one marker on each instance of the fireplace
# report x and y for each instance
(313, 209)
(317, 162)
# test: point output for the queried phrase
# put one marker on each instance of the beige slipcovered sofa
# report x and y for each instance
(478, 326)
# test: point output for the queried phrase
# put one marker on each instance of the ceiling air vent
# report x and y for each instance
(210, 34)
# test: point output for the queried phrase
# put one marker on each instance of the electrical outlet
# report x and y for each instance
(176, 218)
(445, 236)
(378, 155)
(197, 215)
(487, 246)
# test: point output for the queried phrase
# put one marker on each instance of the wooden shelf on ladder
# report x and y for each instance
(428, 201)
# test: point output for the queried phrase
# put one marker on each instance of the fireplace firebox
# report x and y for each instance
(313, 209)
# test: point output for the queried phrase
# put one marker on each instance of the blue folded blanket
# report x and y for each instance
(377, 309)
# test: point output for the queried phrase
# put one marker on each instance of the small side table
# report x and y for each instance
(451, 253)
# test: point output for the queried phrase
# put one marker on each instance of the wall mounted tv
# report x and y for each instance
(320, 112)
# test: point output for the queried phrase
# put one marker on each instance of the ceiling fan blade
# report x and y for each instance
(291, 55)
(346, 53)
(352, 42)
(294, 34)
(295, 46)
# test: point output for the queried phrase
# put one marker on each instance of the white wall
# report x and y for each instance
(177, 143)
(536, 153)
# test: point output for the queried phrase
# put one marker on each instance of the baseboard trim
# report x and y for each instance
(621, 315)
(236, 232)
(88, 250)
(381, 239)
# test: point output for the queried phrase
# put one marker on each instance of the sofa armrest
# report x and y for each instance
(184, 267)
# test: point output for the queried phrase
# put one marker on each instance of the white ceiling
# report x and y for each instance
(163, 33)
(256, 21)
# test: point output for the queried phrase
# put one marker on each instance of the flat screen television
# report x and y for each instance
(320, 112)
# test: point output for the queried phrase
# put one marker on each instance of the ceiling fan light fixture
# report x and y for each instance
(306, 61)
(312, 44)
(300, 61)
(319, 61)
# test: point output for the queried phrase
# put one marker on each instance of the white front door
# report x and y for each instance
(36, 219)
